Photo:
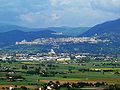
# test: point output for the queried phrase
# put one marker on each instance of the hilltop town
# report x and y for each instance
(63, 40)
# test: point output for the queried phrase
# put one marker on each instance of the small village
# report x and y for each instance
(58, 57)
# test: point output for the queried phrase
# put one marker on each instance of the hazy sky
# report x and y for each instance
(46, 13)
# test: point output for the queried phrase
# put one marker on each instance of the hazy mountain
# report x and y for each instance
(110, 27)
(70, 31)
(8, 27)
(106, 31)
(17, 35)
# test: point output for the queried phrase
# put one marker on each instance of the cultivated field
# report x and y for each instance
(33, 74)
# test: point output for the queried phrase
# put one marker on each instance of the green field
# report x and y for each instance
(38, 73)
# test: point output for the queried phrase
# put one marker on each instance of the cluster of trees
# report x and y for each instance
(15, 88)
(88, 70)
(114, 87)
(111, 64)
(56, 85)
(44, 70)
(14, 77)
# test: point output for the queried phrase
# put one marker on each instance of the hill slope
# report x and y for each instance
(8, 27)
(111, 27)
(17, 35)
(70, 31)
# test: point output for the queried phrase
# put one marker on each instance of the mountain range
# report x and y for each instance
(106, 31)
(110, 27)
(17, 35)
(69, 31)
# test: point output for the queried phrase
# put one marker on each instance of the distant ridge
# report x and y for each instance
(9, 27)
(108, 31)
(70, 31)
(107, 27)
(17, 35)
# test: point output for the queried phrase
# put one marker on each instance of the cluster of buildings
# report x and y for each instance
(61, 57)
(62, 40)
(35, 56)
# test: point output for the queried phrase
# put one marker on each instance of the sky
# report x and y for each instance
(56, 13)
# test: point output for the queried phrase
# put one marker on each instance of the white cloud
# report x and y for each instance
(59, 12)
(66, 2)
(54, 3)
(58, 3)
(26, 18)
(31, 17)
(106, 5)
(75, 3)
(55, 16)
(103, 5)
